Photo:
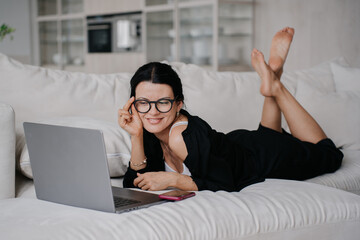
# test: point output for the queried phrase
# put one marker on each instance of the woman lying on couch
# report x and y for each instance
(171, 148)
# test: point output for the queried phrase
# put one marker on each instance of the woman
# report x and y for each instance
(171, 148)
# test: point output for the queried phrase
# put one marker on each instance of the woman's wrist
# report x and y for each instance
(143, 162)
(183, 182)
(137, 134)
(138, 159)
(173, 180)
(138, 165)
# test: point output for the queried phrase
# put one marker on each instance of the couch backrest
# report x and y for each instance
(227, 100)
(38, 93)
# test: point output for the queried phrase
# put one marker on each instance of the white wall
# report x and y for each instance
(16, 14)
(324, 29)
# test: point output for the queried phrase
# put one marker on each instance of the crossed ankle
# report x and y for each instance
(277, 88)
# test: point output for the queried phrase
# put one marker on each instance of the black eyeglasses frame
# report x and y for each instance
(155, 103)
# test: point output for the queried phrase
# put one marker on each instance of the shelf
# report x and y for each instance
(49, 42)
(245, 2)
(191, 38)
(57, 17)
(62, 41)
(235, 35)
(191, 21)
(159, 23)
(61, 32)
(200, 20)
(227, 18)
(159, 8)
(161, 37)
(73, 39)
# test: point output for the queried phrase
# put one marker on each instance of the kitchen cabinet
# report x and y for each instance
(60, 25)
(216, 34)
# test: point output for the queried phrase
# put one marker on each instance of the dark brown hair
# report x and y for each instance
(157, 72)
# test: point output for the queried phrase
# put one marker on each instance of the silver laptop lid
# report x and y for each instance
(69, 166)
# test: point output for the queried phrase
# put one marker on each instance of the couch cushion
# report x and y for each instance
(274, 209)
(338, 113)
(320, 77)
(117, 143)
(226, 100)
(346, 78)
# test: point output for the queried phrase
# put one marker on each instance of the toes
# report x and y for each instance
(289, 30)
(256, 53)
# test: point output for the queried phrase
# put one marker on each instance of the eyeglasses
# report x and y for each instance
(163, 105)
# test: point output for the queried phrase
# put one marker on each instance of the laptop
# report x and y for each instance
(70, 167)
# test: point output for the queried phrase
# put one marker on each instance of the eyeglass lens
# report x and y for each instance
(162, 105)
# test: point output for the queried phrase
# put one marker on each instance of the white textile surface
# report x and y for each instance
(275, 209)
(7, 151)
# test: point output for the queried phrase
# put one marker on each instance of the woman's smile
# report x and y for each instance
(154, 121)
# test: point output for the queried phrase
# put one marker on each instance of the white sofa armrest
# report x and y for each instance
(7, 151)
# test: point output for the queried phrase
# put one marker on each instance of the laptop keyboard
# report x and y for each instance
(120, 202)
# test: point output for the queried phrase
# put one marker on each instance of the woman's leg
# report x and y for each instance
(271, 114)
(301, 124)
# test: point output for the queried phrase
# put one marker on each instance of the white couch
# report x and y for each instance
(325, 207)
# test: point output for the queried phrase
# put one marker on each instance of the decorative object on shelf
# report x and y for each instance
(5, 30)
(59, 59)
(77, 61)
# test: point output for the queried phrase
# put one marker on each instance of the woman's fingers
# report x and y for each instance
(124, 117)
(141, 183)
(143, 186)
(128, 104)
(130, 122)
(138, 180)
(124, 114)
(133, 110)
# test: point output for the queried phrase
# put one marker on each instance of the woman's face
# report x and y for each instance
(155, 121)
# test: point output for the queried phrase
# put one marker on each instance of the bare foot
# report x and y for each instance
(279, 49)
(268, 77)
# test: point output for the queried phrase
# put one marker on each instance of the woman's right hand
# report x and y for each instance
(130, 122)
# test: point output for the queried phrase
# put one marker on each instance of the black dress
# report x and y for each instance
(232, 161)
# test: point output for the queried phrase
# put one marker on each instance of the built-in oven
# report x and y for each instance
(114, 32)
(99, 35)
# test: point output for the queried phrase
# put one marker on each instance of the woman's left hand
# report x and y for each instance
(154, 181)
